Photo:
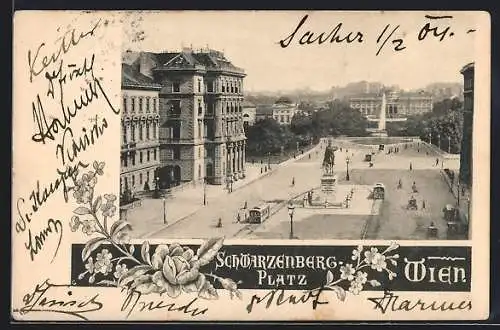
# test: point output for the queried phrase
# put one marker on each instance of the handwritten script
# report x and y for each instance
(72, 87)
(436, 27)
(390, 302)
(48, 297)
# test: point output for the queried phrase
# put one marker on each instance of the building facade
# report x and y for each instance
(201, 135)
(466, 159)
(140, 144)
(284, 110)
(398, 104)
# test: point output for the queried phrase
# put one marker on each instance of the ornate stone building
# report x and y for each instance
(201, 132)
(466, 159)
(399, 104)
(140, 144)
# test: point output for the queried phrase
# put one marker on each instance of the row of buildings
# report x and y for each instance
(182, 119)
(399, 105)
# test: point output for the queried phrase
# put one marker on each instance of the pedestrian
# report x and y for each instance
(437, 161)
(400, 184)
(304, 201)
(423, 204)
(261, 170)
(238, 217)
(245, 206)
(411, 166)
(219, 223)
(293, 181)
(309, 156)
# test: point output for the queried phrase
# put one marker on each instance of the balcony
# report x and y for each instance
(129, 146)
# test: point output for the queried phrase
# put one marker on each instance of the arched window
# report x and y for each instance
(125, 105)
(147, 104)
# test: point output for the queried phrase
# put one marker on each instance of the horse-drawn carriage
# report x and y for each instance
(379, 191)
(412, 203)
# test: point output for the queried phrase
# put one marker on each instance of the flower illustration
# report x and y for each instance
(98, 167)
(355, 287)
(120, 270)
(176, 269)
(356, 254)
(347, 272)
(74, 223)
(88, 227)
(378, 262)
(103, 262)
(108, 209)
(361, 277)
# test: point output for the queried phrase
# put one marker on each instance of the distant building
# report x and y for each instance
(201, 132)
(249, 113)
(263, 112)
(466, 159)
(140, 144)
(399, 104)
(284, 110)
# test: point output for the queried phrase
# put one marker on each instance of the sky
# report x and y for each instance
(250, 40)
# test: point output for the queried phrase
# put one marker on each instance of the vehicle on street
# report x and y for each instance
(259, 213)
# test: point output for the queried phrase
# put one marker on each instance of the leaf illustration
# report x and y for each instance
(97, 204)
(207, 251)
(107, 282)
(208, 292)
(374, 283)
(394, 262)
(131, 249)
(145, 252)
(339, 291)
(329, 277)
(82, 210)
(146, 288)
(117, 227)
(132, 274)
(91, 245)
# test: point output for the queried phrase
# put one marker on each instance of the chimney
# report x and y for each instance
(146, 65)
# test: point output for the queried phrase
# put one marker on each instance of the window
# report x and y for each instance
(223, 87)
(140, 157)
(200, 108)
(176, 87)
(133, 104)
(199, 85)
(199, 171)
(154, 131)
(177, 152)
(147, 176)
(125, 161)
(210, 86)
(125, 105)
(199, 129)
(210, 108)
(140, 132)
(147, 131)
(232, 87)
(148, 156)
(154, 104)
(140, 104)
(147, 104)
(133, 159)
(154, 154)
(175, 107)
(124, 133)
(133, 180)
(140, 178)
(199, 152)
(132, 126)
(281, 118)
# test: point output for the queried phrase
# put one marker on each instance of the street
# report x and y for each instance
(391, 221)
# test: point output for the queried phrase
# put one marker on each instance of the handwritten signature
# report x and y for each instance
(44, 299)
(391, 302)
(133, 302)
(278, 298)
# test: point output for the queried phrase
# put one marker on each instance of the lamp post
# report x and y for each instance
(449, 145)
(205, 191)
(430, 138)
(291, 210)
(439, 141)
(347, 160)
(164, 211)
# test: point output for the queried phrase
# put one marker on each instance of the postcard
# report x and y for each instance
(250, 165)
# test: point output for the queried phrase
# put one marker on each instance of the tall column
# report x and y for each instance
(243, 159)
(157, 128)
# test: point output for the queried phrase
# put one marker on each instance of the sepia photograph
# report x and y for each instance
(219, 138)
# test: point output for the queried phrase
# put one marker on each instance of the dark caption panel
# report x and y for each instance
(307, 267)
